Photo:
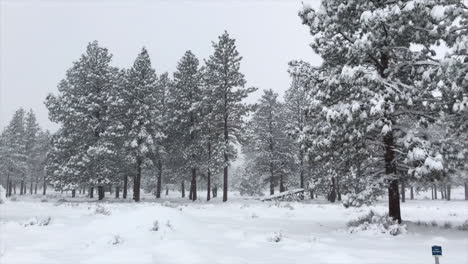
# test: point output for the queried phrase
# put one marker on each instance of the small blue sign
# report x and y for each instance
(436, 251)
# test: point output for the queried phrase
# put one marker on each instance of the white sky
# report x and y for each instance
(40, 39)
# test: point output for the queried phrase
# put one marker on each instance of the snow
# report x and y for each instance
(239, 231)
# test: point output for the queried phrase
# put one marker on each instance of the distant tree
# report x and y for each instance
(227, 85)
(272, 156)
(31, 136)
(13, 155)
(295, 108)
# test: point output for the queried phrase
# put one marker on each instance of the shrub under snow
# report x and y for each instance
(275, 237)
(102, 210)
(375, 223)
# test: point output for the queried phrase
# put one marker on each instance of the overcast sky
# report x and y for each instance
(40, 40)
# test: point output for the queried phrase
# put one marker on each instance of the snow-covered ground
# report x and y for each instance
(239, 231)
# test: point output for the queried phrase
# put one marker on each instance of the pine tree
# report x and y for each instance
(135, 112)
(81, 108)
(272, 157)
(162, 91)
(295, 106)
(13, 153)
(227, 85)
(371, 79)
(185, 102)
(31, 133)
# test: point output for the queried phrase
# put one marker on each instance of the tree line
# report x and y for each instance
(382, 114)
(121, 124)
(23, 149)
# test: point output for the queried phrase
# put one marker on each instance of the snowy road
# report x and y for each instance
(237, 232)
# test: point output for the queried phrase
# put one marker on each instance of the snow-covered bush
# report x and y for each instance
(377, 224)
(275, 237)
(44, 200)
(169, 204)
(448, 225)
(155, 226)
(14, 199)
(102, 210)
(39, 222)
(249, 183)
(366, 196)
(46, 221)
(2, 195)
(31, 221)
(464, 226)
(169, 225)
(116, 239)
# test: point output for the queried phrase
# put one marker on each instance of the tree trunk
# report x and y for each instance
(193, 184)
(411, 193)
(35, 185)
(435, 191)
(208, 185)
(311, 194)
(158, 181)
(190, 190)
(215, 191)
(100, 192)
(226, 158)
(225, 182)
(301, 175)
(390, 169)
(21, 187)
(282, 189)
(14, 188)
(8, 186)
(338, 192)
(332, 195)
(167, 190)
(466, 191)
(432, 192)
(91, 192)
(125, 187)
(182, 188)
(117, 192)
(136, 182)
(31, 187)
(403, 194)
(73, 193)
(44, 186)
(449, 192)
(110, 190)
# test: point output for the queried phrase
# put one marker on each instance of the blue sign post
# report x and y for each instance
(436, 252)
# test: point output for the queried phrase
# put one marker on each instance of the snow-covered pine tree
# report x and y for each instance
(227, 85)
(272, 156)
(371, 77)
(41, 149)
(81, 109)
(135, 116)
(160, 154)
(31, 133)
(450, 79)
(211, 139)
(295, 106)
(13, 152)
(185, 104)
